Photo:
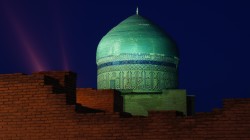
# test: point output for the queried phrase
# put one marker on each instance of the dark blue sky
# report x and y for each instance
(213, 38)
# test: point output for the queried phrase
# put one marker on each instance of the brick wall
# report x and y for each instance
(105, 100)
(64, 82)
(42, 106)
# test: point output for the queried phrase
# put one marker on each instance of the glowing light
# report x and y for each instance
(60, 33)
(28, 46)
(64, 57)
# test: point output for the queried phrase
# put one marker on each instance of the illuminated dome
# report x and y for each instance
(137, 56)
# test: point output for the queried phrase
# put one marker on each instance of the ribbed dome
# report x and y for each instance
(136, 35)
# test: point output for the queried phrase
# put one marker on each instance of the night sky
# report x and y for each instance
(213, 37)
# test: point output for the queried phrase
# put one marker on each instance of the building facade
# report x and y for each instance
(140, 60)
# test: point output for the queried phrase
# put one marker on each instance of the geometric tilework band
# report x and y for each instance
(159, 63)
(139, 78)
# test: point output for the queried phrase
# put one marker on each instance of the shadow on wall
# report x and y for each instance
(83, 109)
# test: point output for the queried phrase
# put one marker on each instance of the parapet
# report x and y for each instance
(42, 106)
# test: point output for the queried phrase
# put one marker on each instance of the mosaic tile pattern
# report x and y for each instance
(137, 56)
(139, 78)
(137, 62)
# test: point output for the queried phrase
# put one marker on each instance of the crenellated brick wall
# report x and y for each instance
(43, 106)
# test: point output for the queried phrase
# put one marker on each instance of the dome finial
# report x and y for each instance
(137, 11)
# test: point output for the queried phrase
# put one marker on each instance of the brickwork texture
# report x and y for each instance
(47, 105)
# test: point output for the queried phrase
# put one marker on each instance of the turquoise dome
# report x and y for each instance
(137, 56)
(136, 34)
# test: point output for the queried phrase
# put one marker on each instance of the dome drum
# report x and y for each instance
(137, 78)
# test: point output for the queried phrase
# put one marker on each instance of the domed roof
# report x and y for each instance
(134, 35)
